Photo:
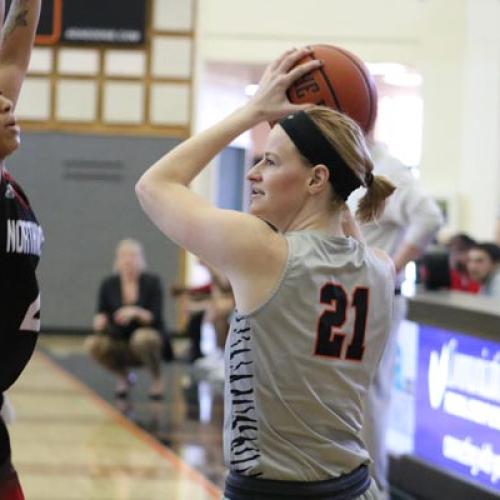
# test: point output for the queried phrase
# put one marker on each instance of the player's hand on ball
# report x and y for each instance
(270, 99)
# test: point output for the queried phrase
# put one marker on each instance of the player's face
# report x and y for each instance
(479, 265)
(10, 133)
(278, 181)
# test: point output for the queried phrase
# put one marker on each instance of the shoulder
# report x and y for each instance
(110, 281)
(495, 283)
(384, 260)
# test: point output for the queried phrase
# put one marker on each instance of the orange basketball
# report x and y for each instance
(343, 83)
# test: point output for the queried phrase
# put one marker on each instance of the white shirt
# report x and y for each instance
(411, 215)
(492, 286)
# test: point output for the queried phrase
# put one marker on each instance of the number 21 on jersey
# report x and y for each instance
(338, 305)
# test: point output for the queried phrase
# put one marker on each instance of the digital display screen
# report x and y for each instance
(91, 22)
(458, 404)
(445, 406)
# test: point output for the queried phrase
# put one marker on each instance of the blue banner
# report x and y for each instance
(458, 405)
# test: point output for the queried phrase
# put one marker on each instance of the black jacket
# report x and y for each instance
(150, 298)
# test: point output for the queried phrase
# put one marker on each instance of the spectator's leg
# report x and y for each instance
(193, 330)
(146, 345)
(113, 355)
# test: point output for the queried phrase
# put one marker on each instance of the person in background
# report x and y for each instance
(21, 236)
(410, 221)
(458, 247)
(483, 265)
(218, 310)
(214, 304)
(193, 303)
(128, 326)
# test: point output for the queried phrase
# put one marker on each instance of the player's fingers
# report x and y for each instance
(295, 108)
(293, 58)
(301, 70)
(279, 61)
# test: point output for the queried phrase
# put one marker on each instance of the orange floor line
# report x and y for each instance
(115, 415)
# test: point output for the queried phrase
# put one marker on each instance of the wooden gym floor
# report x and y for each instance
(73, 441)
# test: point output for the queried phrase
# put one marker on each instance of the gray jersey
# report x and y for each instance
(298, 368)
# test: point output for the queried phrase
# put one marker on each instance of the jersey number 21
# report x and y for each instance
(330, 339)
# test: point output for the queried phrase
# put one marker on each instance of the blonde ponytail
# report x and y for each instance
(372, 204)
(348, 140)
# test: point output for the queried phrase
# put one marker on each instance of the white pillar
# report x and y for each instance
(479, 172)
(461, 69)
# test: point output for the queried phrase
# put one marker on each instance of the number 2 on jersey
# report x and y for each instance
(330, 339)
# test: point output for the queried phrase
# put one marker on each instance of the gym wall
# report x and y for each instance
(82, 189)
(94, 117)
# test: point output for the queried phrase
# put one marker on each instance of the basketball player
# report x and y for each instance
(313, 305)
(20, 234)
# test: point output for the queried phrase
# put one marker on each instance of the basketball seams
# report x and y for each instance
(342, 83)
(326, 81)
(330, 87)
(368, 85)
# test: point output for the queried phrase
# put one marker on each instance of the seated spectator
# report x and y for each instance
(483, 266)
(445, 265)
(194, 301)
(212, 303)
(128, 326)
(221, 305)
(458, 247)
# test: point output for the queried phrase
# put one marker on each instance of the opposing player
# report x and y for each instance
(313, 305)
(21, 236)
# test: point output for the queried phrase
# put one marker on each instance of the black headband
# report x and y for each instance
(313, 145)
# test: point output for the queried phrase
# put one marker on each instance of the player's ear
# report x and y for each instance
(318, 178)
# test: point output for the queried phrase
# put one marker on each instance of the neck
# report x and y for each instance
(326, 222)
(130, 276)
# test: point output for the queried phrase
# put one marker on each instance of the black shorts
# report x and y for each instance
(345, 487)
(4, 444)
(10, 488)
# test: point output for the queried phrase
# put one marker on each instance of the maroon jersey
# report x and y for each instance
(21, 238)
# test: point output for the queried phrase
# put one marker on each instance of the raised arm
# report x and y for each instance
(18, 36)
(2, 12)
(223, 238)
(242, 246)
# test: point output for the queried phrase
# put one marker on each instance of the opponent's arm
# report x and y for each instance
(17, 38)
